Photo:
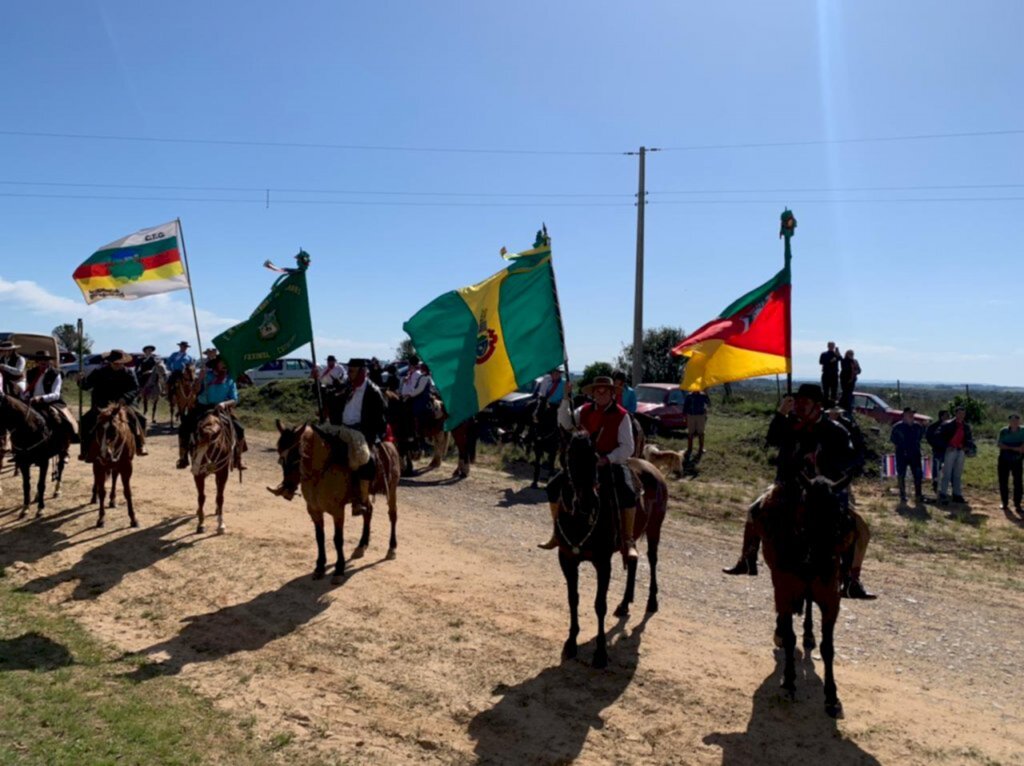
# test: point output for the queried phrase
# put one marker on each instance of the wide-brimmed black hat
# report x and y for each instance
(148, 348)
(184, 343)
(601, 381)
(358, 362)
(42, 356)
(117, 355)
(811, 391)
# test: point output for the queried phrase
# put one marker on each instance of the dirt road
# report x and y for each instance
(450, 653)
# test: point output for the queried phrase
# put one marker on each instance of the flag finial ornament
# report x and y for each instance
(787, 226)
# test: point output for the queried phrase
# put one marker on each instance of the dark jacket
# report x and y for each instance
(907, 439)
(823, 446)
(934, 438)
(829, 361)
(109, 385)
(946, 431)
(372, 420)
(849, 370)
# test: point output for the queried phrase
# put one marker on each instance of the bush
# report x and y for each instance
(975, 408)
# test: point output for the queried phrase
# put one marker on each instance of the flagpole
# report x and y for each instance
(561, 326)
(191, 294)
(80, 362)
(312, 349)
(786, 231)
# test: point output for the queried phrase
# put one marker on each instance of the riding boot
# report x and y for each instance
(140, 445)
(182, 458)
(362, 503)
(628, 544)
(747, 565)
(853, 588)
(903, 489)
(553, 542)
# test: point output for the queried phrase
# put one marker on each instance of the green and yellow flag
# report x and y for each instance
(484, 341)
(281, 323)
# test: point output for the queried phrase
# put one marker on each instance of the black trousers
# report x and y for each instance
(830, 386)
(1006, 467)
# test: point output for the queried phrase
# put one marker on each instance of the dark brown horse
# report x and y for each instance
(804, 539)
(327, 486)
(33, 444)
(112, 452)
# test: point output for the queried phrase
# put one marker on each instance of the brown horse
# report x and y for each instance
(327, 487)
(181, 397)
(464, 435)
(804, 539)
(112, 452)
(33, 444)
(650, 513)
(214, 453)
(152, 389)
(409, 429)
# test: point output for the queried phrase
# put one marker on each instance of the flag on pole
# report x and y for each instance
(485, 341)
(147, 262)
(281, 323)
(748, 339)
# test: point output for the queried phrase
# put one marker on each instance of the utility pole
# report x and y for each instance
(638, 299)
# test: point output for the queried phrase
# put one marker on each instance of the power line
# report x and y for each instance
(830, 201)
(798, 190)
(826, 141)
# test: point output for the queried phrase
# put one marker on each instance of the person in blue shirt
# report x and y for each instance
(624, 395)
(217, 393)
(177, 362)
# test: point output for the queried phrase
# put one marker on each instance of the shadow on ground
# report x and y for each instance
(547, 718)
(33, 651)
(781, 731)
(243, 627)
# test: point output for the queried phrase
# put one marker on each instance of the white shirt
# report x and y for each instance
(415, 383)
(330, 376)
(353, 412)
(16, 371)
(40, 392)
(626, 444)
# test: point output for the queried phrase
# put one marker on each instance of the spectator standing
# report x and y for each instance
(906, 436)
(829, 361)
(625, 396)
(959, 440)
(695, 407)
(934, 439)
(849, 371)
(1011, 459)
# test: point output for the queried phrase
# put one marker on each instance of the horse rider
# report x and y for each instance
(113, 382)
(12, 368)
(612, 434)
(362, 409)
(145, 366)
(217, 393)
(209, 357)
(809, 442)
(331, 376)
(177, 362)
(43, 393)
(415, 397)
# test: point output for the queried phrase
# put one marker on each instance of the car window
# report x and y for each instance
(293, 364)
(650, 395)
(271, 366)
(675, 397)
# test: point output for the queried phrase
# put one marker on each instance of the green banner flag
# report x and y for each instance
(280, 324)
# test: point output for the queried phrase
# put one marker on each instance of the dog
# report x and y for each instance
(667, 461)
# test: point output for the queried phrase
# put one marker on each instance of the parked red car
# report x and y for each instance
(876, 408)
(659, 407)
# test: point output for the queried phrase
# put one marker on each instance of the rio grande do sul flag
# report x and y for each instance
(485, 341)
(750, 338)
(144, 263)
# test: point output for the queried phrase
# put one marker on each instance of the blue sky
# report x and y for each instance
(921, 290)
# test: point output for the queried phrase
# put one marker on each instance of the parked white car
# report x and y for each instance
(279, 369)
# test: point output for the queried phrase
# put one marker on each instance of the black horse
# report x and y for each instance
(543, 437)
(804, 539)
(588, 530)
(32, 443)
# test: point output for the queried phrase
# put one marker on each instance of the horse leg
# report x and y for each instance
(364, 539)
(829, 615)
(604, 578)
(44, 468)
(339, 546)
(126, 490)
(653, 539)
(622, 610)
(59, 472)
(201, 496)
(809, 642)
(536, 469)
(99, 491)
(321, 553)
(393, 518)
(222, 480)
(571, 571)
(26, 485)
(113, 489)
(784, 629)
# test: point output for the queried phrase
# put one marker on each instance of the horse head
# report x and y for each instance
(112, 432)
(289, 456)
(823, 509)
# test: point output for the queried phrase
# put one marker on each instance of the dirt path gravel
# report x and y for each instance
(450, 653)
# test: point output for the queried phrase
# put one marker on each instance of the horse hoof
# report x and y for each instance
(221, 529)
(622, 610)
(810, 644)
(392, 554)
(200, 529)
(777, 640)
(789, 688)
(134, 524)
(652, 606)
(834, 709)
(56, 494)
(600, 660)
(318, 574)
(338, 579)
(99, 524)
(569, 650)
(359, 552)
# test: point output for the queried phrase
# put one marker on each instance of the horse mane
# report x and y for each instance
(808, 533)
(33, 421)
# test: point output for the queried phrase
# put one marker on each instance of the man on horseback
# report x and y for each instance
(331, 376)
(217, 393)
(809, 443)
(145, 366)
(43, 392)
(177, 362)
(113, 382)
(12, 368)
(612, 435)
(362, 409)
